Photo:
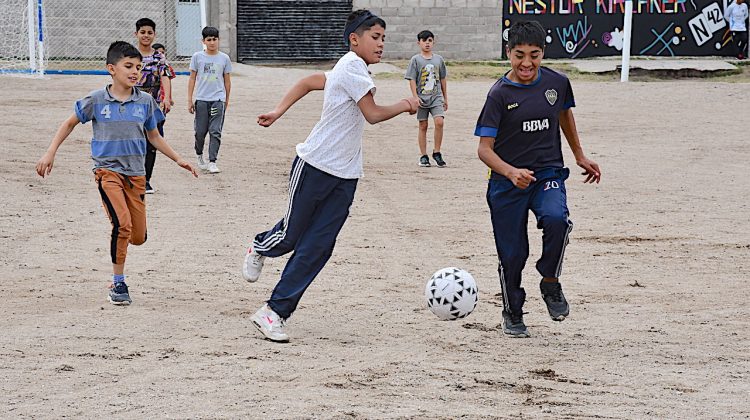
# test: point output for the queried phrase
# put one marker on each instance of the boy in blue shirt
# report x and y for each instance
(519, 130)
(209, 78)
(325, 172)
(120, 115)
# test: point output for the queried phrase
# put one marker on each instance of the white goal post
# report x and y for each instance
(22, 37)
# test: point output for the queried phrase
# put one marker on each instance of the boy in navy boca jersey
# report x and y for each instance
(519, 130)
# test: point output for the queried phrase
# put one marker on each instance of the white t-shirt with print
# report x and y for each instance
(335, 144)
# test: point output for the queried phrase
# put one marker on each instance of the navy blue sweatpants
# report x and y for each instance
(318, 207)
(509, 209)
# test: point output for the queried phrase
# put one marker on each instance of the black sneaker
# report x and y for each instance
(149, 188)
(438, 157)
(424, 161)
(513, 326)
(118, 294)
(553, 296)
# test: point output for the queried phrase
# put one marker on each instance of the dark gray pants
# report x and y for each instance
(209, 119)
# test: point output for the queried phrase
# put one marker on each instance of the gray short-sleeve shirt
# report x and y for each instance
(209, 78)
(427, 73)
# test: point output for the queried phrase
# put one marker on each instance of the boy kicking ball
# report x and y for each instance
(120, 115)
(519, 131)
(325, 172)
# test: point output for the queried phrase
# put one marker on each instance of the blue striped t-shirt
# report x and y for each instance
(119, 140)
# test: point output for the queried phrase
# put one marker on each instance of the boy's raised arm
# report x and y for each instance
(303, 86)
(45, 163)
(375, 113)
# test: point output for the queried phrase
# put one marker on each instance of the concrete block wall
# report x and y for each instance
(464, 29)
(222, 14)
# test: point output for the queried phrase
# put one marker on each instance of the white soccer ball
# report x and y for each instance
(451, 293)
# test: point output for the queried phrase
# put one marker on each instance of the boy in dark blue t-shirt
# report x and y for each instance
(519, 130)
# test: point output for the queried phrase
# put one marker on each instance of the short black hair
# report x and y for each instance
(526, 33)
(210, 31)
(157, 46)
(145, 22)
(424, 35)
(121, 49)
(367, 24)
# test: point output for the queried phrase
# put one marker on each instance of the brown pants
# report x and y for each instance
(123, 200)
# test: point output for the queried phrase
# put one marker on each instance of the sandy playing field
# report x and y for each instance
(656, 271)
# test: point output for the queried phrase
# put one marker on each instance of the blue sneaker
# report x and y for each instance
(118, 294)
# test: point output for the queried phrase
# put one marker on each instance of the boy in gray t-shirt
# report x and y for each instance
(211, 69)
(427, 80)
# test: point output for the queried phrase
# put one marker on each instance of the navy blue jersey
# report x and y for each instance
(524, 119)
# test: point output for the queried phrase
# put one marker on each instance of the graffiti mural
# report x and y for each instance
(591, 28)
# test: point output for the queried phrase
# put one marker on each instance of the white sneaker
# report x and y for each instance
(270, 324)
(201, 163)
(252, 266)
(213, 169)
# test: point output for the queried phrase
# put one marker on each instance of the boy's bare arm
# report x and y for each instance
(167, 102)
(228, 88)
(303, 86)
(45, 163)
(161, 145)
(520, 177)
(191, 87)
(413, 87)
(444, 88)
(568, 126)
(375, 113)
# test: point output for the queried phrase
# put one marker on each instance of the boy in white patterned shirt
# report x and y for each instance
(325, 172)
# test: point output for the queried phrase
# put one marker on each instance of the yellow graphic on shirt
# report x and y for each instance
(428, 79)
(209, 73)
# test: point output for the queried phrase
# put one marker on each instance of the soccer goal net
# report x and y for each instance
(21, 45)
(72, 36)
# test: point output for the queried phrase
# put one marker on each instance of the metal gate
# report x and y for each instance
(188, 27)
(291, 30)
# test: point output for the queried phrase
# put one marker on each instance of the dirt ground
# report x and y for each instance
(656, 271)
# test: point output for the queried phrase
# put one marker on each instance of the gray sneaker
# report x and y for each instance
(553, 296)
(118, 294)
(252, 266)
(513, 326)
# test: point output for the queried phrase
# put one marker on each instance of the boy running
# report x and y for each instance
(427, 80)
(155, 73)
(324, 174)
(120, 115)
(211, 69)
(519, 130)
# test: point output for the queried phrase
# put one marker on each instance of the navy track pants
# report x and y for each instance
(509, 209)
(318, 207)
